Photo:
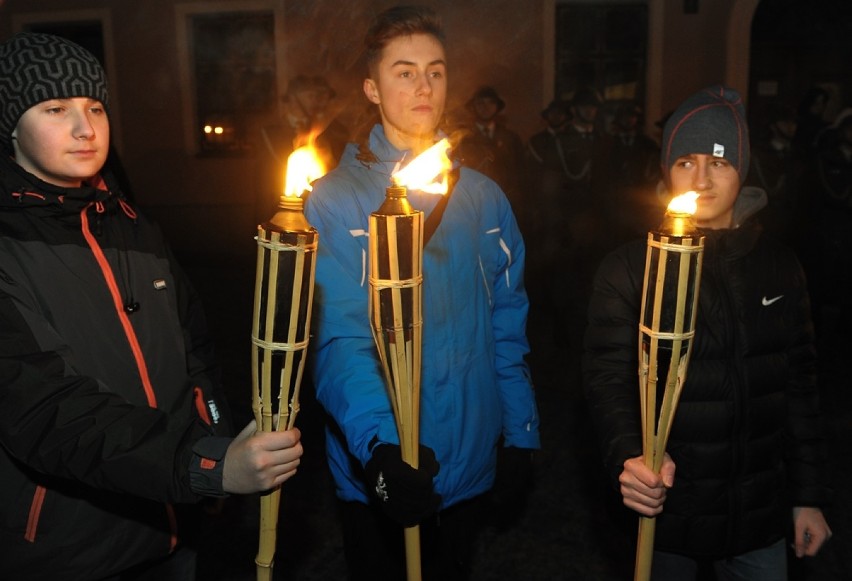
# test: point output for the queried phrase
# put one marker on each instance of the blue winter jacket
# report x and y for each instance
(475, 383)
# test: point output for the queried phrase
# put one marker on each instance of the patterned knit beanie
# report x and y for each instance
(37, 67)
(712, 121)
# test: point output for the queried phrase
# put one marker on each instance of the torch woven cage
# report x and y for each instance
(396, 285)
(666, 331)
(286, 252)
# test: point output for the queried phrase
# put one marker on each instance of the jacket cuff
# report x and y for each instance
(207, 464)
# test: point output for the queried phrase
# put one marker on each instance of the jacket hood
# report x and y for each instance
(21, 190)
(379, 155)
(750, 201)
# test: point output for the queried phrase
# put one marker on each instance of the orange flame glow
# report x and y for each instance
(304, 166)
(428, 171)
(683, 204)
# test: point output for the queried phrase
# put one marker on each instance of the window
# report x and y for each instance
(234, 74)
(603, 47)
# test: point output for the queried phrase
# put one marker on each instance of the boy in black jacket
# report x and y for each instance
(746, 436)
(110, 403)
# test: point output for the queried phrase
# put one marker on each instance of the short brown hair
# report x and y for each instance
(399, 21)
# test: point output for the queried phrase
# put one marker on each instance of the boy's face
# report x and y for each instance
(716, 182)
(63, 141)
(409, 84)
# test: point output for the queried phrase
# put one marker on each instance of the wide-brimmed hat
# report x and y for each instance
(557, 105)
(586, 96)
(308, 83)
(487, 93)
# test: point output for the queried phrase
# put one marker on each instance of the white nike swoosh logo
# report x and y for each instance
(766, 302)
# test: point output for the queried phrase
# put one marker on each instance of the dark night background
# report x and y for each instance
(572, 525)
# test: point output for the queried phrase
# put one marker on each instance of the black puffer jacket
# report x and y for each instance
(99, 407)
(746, 435)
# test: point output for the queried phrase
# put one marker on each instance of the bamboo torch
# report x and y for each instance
(396, 283)
(666, 331)
(284, 287)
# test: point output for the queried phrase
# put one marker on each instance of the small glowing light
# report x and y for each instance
(428, 171)
(208, 129)
(684, 204)
(218, 130)
(304, 166)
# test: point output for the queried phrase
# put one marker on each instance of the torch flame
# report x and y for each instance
(683, 204)
(428, 171)
(304, 166)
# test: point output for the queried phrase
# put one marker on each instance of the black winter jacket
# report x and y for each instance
(99, 407)
(746, 435)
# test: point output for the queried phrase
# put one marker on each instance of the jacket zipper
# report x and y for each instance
(112, 285)
(739, 399)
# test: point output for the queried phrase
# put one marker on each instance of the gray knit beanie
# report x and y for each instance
(37, 67)
(713, 122)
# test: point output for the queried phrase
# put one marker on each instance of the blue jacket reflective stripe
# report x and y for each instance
(475, 383)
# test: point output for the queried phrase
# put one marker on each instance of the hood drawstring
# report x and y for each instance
(365, 155)
(22, 193)
(99, 212)
(128, 210)
(125, 278)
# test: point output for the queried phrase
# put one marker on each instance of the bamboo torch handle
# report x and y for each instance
(645, 548)
(412, 553)
(265, 559)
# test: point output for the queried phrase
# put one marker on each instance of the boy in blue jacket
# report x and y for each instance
(476, 388)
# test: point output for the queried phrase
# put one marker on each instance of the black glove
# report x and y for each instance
(405, 494)
(512, 484)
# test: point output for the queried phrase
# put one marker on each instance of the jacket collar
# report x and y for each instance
(743, 235)
(388, 158)
(750, 201)
(21, 189)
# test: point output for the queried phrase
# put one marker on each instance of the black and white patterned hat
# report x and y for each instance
(35, 67)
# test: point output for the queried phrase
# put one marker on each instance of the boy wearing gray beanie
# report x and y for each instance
(111, 407)
(745, 440)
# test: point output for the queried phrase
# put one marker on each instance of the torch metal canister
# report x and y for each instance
(286, 260)
(396, 284)
(666, 331)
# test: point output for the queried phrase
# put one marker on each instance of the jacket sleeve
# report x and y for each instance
(347, 374)
(610, 366)
(509, 317)
(202, 366)
(803, 436)
(59, 424)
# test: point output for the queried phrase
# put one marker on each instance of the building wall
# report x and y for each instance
(207, 206)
